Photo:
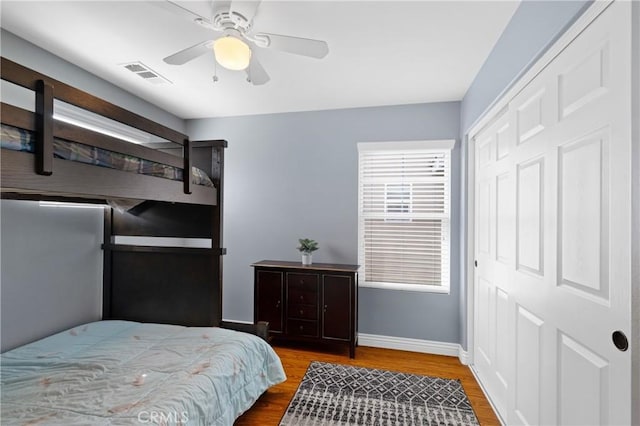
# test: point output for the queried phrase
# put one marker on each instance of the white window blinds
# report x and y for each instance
(404, 199)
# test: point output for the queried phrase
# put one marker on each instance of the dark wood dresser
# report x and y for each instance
(315, 303)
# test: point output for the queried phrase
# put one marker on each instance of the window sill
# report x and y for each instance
(407, 287)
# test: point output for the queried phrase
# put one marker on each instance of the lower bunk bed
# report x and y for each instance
(123, 372)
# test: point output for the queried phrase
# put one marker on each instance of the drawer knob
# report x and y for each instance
(301, 312)
(301, 297)
(301, 328)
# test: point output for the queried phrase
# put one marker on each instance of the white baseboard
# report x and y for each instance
(464, 356)
(414, 345)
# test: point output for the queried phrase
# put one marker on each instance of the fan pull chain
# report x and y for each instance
(215, 71)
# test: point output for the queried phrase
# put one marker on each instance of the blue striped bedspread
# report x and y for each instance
(123, 373)
(17, 139)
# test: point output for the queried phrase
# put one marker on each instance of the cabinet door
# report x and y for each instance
(268, 303)
(336, 306)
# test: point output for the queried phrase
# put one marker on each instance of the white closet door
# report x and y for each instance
(553, 224)
(495, 223)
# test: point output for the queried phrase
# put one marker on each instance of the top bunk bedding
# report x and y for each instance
(17, 139)
(122, 372)
(37, 147)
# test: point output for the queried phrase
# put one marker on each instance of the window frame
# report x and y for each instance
(439, 145)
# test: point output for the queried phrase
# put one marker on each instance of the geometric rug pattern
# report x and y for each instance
(335, 394)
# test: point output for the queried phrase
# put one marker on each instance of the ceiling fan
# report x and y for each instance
(234, 46)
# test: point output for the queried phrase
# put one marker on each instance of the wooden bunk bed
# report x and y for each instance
(181, 286)
(168, 208)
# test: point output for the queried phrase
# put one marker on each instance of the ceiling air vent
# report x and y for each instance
(145, 72)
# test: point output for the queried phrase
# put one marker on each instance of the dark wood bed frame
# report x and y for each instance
(170, 285)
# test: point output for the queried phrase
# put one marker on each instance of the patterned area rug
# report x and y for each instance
(333, 394)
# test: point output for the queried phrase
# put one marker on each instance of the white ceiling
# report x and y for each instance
(380, 52)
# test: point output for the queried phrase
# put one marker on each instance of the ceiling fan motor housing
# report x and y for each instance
(224, 20)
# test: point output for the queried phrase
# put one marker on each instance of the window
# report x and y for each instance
(404, 214)
(397, 199)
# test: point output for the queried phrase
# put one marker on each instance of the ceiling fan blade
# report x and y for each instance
(246, 8)
(185, 55)
(256, 73)
(299, 46)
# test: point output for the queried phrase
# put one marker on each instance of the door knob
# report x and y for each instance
(620, 340)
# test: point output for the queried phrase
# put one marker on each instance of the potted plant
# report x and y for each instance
(307, 246)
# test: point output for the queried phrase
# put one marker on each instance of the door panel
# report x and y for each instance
(502, 333)
(583, 212)
(269, 299)
(502, 141)
(529, 217)
(584, 80)
(336, 306)
(529, 117)
(484, 216)
(484, 324)
(582, 382)
(504, 219)
(528, 367)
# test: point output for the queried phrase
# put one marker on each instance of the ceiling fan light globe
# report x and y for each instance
(232, 53)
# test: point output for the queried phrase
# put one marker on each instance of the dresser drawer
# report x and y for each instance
(296, 310)
(302, 289)
(302, 328)
(302, 297)
(303, 282)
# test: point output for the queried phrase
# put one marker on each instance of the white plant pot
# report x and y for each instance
(306, 258)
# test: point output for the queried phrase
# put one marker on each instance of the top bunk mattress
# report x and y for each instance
(122, 372)
(17, 139)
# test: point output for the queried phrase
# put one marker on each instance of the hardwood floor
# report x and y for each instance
(268, 410)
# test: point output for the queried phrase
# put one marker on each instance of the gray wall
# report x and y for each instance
(295, 175)
(51, 270)
(532, 30)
